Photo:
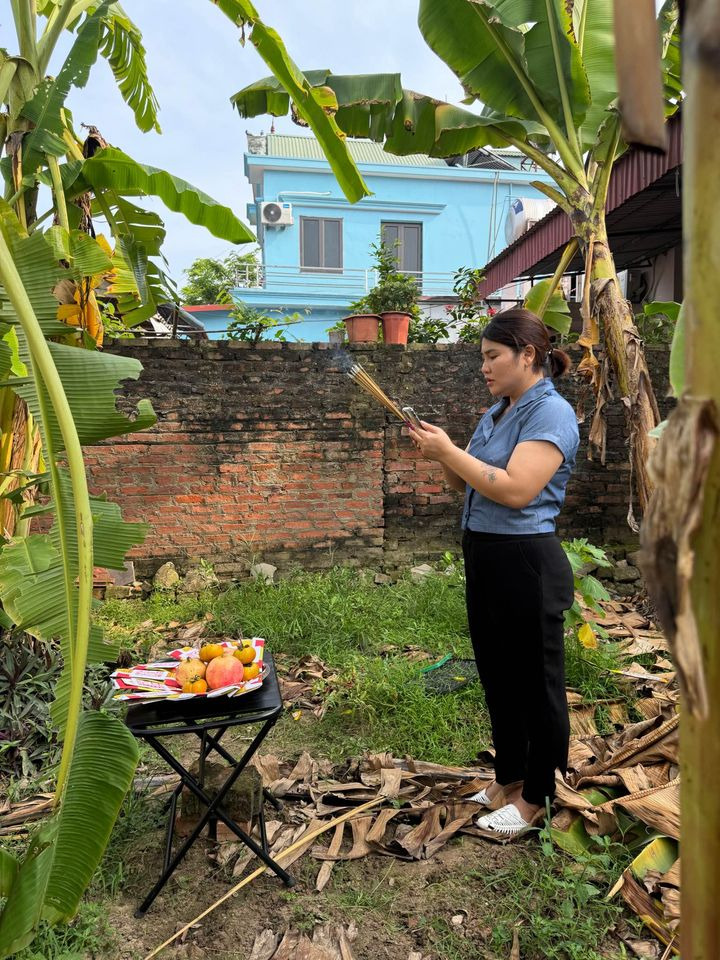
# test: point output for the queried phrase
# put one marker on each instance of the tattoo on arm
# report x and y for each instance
(490, 476)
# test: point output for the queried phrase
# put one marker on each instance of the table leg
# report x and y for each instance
(213, 809)
(171, 825)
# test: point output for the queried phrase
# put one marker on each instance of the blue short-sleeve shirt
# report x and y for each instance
(540, 414)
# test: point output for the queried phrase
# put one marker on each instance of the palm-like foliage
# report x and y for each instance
(543, 74)
(46, 579)
(64, 396)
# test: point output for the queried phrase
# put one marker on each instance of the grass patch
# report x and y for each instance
(88, 935)
(138, 820)
(557, 904)
(362, 632)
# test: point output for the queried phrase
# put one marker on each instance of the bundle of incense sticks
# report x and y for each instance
(363, 379)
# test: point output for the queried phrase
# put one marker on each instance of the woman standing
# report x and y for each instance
(519, 582)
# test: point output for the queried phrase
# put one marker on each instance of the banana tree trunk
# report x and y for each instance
(607, 310)
(700, 737)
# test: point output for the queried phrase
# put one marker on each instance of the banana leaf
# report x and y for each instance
(122, 47)
(314, 103)
(677, 356)
(104, 761)
(543, 69)
(22, 911)
(84, 255)
(44, 110)
(8, 871)
(111, 169)
(62, 858)
(557, 312)
(593, 25)
(659, 855)
(38, 573)
(524, 71)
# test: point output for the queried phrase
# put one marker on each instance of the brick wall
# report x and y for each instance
(272, 453)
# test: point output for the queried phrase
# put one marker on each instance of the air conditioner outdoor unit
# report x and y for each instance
(275, 214)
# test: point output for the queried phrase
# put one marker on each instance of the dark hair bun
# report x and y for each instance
(559, 362)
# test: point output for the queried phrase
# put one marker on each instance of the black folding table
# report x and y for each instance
(209, 718)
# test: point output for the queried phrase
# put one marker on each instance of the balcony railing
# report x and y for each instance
(352, 282)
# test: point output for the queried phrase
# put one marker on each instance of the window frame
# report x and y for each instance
(321, 269)
(406, 223)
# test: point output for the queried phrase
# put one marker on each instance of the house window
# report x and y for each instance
(321, 244)
(406, 240)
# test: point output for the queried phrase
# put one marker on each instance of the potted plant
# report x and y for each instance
(362, 324)
(394, 297)
(336, 333)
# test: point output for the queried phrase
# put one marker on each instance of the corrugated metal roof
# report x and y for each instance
(362, 151)
(537, 252)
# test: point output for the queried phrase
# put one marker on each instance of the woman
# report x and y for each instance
(519, 583)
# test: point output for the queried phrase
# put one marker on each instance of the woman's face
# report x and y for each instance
(505, 371)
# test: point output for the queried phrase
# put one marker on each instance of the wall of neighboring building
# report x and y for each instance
(272, 453)
(454, 205)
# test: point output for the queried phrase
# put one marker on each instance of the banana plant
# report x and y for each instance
(681, 553)
(46, 578)
(57, 396)
(87, 178)
(543, 74)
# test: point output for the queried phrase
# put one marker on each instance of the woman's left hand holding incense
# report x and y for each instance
(432, 441)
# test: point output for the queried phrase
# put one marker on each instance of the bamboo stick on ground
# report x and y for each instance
(304, 840)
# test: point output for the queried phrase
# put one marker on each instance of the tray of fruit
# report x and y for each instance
(224, 668)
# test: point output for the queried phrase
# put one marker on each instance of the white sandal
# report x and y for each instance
(480, 797)
(506, 822)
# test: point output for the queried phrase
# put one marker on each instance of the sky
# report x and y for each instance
(196, 63)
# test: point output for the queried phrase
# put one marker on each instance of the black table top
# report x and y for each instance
(247, 708)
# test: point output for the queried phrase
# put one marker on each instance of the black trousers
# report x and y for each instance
(518, 588)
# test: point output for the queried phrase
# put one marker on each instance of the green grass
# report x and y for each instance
(556, 903)
(138, 819)
(361, 631)
(88, 935)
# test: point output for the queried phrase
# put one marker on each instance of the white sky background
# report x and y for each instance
(196, 63)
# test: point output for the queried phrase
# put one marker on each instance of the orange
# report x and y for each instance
(211, 650)
(250, 672)
(245, 654)
(200, 686)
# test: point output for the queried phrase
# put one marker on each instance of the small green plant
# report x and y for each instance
(656, 324)
(584, 557)
(468, 316)
(251, 326)
(29, 670)
(556, 904)
(472, 331)
(88, 935)
(338, 325)
(395, 292)
(428, 330)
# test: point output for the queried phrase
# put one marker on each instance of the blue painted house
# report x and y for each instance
(315, 246)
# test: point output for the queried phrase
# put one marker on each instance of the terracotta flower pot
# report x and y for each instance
(395, 327)
(362, 327)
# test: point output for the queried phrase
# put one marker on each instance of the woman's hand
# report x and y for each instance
(431, 441)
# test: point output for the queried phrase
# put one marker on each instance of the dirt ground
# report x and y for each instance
(391, 903)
